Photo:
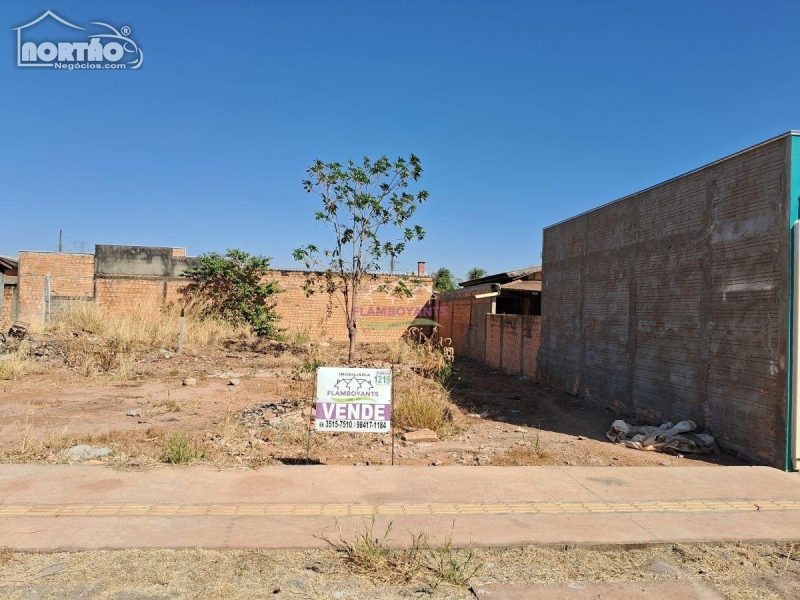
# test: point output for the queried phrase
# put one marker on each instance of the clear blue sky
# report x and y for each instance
(523, 113)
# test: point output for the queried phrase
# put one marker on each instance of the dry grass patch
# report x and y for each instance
(371, 553)
(422, 404)
(96, 340)
(18, 363)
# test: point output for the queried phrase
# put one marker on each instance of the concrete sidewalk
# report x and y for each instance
(89, 507)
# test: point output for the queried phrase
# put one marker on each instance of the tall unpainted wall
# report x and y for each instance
(671, 304)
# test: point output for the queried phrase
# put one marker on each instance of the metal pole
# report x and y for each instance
(310, 420)
(391, 421)
(60, 237)
(180, 332)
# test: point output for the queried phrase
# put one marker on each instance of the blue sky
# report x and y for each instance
(523, 114)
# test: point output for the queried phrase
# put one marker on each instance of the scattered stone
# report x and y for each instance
(474, 415)
(53, 569)
(275, 422)
(580, 437)
(134, 412)
(85, 452)
(189, 381)
(421, 435)
(234, 382)
(436, 463)
(258, 417)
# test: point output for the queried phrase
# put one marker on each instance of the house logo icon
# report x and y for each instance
(103, 50)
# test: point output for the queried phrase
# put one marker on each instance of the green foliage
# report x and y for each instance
(179, 450)
(234, 287)
(476, 273)
(443, 280)
(368, 208)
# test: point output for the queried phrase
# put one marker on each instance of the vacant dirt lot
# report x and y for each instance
(491, 418)
(741, 572)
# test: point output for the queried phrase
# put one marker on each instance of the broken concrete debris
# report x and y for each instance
(84, 452)
(666, 438)
(420, 435)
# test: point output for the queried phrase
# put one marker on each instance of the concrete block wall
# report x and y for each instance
(512, 344)
(671, 303)
(71, 275)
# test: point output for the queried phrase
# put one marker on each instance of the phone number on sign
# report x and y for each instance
(354, 425)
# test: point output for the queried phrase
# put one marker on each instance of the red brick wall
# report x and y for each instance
(70, 275)
(383, 316)
(125, 294)
(512, 344)
(462, 319)
(8, 306)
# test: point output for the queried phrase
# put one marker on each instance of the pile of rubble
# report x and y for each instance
(270, 414)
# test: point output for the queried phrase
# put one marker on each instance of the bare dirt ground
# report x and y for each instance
(740, 572)
(259, 421)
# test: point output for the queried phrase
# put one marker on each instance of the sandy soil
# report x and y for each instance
(498, 419)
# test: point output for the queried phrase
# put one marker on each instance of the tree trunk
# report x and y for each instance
(351, 334)
(352, 325)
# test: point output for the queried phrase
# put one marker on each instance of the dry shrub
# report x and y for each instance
(426, 355)
(421, 404)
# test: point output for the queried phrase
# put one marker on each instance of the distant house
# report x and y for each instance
(9, 275)
(517, 292)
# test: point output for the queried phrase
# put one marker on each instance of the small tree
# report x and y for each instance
(368, 209)
(443, 280)
(476, 273)
(234, 286)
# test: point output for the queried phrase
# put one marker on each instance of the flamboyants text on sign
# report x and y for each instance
(354, 400)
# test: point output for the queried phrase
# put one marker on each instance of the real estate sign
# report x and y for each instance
(354, 400)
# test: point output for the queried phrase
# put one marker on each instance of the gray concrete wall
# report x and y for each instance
(671, 304)
(139, 261)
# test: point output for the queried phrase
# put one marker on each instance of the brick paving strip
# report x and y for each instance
(345, 510)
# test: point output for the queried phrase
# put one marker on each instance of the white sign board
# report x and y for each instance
(354, 400)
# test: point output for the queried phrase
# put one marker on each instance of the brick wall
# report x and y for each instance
(7, 316)
(70, 275)
(126, 293)
(122, 277)
(383, 316)
(512, 344)
(462, 320)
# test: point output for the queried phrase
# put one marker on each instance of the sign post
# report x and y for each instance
(353, 400)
